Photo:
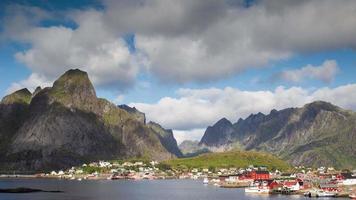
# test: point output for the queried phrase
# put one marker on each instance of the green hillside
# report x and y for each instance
(230, 159)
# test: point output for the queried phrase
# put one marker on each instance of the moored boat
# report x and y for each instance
(258, 187)
(322, 193)
(206, 181)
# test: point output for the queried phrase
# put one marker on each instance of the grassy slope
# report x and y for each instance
(230, 159)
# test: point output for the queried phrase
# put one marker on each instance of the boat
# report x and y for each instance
(257, 190)
(206, 181)
(322, 193)
(257, 187)
(349, 182)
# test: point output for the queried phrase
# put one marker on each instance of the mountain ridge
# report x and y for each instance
(66, 125)
(319, 133)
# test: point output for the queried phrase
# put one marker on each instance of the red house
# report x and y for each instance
(275, 185)
(260, 175)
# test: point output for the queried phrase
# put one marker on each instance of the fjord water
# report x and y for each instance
(127, 190)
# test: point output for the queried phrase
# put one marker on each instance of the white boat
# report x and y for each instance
(257, 190)
(79, 179)
(256, 187)
(206, 181)
(322, 193)
(349, 181)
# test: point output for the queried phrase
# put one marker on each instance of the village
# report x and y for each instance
(320, 182)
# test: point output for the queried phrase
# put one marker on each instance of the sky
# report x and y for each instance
(185, 63)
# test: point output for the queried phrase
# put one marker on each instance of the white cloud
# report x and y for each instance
(198, 108)
(184, 40)
(33, 81)
(205, 40)
(194, 134)
(90, 47)
(325, 72)
(119, 99)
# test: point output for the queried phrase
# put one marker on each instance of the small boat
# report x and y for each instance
(206, 181)
(349, 182)
(79, 179)
(258, 188)
(322, 193)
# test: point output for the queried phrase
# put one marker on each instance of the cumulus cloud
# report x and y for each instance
(325, 72)
(33, 81)
(194, 134)
(119, 99)
(205, 40)
(182, 41)
(90, 47)
(198, 108)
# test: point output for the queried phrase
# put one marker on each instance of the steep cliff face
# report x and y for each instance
(317, 134)
(140, 116)
(67, 124)
(13, 112)
(218, 134)
(166, 137)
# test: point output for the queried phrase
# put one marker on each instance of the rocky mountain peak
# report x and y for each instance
(223, 122)
(37, 90)
(22, 96)
(311, 110)
(73, 89)
(321, 105)
(273, 111)
(213, 134)
(74, 82)
(317, 134)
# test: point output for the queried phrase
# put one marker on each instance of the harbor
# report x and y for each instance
(300, 181)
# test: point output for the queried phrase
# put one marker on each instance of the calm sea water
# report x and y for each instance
(128, 190)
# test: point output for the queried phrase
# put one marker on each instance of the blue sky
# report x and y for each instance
(172, 58)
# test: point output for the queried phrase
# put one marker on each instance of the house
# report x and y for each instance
(329, 187)
(274, 185)
(104, 164)
(232, 178)
(260, 175)
(347, 178)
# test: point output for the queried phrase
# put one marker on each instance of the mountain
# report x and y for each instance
(66, 124)
(166, 137)
(218, 134)
(140, 116)
(317, 134)
(192, 148)
(188, 146)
